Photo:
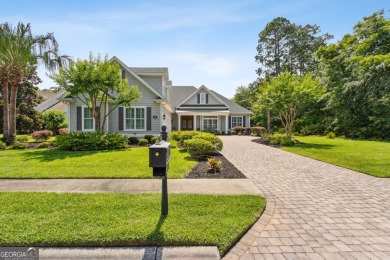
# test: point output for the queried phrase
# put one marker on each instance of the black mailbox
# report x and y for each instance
(159, 155)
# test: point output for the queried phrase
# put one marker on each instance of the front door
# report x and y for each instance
(187, 123)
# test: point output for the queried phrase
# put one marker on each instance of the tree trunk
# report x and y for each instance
(268, 121)
(5, 111)
(12, 113)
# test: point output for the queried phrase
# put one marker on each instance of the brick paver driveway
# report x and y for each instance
(314, 210)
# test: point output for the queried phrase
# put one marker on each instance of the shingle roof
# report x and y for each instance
(233, 107)
(179, 93)
(50, 102)
(140, 70)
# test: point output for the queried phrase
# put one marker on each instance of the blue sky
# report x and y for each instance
(201, 42)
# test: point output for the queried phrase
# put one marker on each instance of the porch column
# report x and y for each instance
(179, 123)
(226, 124)
(195, 122)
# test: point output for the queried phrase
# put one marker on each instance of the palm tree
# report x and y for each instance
(19, 58)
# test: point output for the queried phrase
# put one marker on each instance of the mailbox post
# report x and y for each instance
(159, 155)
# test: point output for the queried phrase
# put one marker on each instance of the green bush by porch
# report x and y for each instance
(49, 219)
(129, 163)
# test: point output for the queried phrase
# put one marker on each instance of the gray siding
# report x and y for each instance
(155, 82)
(194, 99)
(147, 100)
(72, 124)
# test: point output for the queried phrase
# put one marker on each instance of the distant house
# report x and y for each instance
(51, 101)
(178, 107)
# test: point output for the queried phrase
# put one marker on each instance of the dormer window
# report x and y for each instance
(202, 98)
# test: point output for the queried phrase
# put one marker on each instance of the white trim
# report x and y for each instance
(226, 123)
(212, 118)
(202, 95)
(82, 120)
(231, 121)
(211, 113)
(136, 76)
(196, 92)
(135, 118)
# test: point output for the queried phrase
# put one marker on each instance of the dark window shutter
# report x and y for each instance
(123, 74)
(198, 98)
(79, 118)
(243, 121)
(148, 118)
(230, 122)
(207, 98)
(120, 111)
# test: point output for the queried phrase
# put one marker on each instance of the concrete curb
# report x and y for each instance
(132, 253)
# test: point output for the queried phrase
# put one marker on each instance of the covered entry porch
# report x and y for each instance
(203, 121)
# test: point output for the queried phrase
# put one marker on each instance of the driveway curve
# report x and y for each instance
(315, 210)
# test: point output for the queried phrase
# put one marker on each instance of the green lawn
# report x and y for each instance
(46, 163)
(50, 219)
(369, 157)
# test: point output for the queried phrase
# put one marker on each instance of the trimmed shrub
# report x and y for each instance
(63, 131)
(43, 135)
(54, 120)
(149, 138)
(19, 146)
(257, 130)
(181, 136)
(81, 141)
(287, 142)
(229, 132)
(142, 142)
(240, 130)
(132, 140)
(2, 145)
(21, 139)
(43, 145)
(233, 132)
(173, 144)
(199, 147)
(331, 135)
(215, 140)
(154, 140)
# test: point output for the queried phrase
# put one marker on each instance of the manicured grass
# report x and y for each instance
(369, 157)
(50, 219)
(46, 163)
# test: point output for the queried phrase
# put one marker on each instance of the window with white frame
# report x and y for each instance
(236, 121)
(210, 123)
(135, 118)
(202, 98)
(88, 120)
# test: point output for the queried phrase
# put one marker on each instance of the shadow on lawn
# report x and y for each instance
(54, 154)
(314, 146)
(157, 234)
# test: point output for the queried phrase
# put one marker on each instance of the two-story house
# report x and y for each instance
(178, 107)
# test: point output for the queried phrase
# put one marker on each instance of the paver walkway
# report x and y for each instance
(314, 210)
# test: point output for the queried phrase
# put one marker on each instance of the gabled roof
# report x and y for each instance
(51, 101)
(134, 74)
(180, 93)
(145, 70)
(196, 92)
(233, 107)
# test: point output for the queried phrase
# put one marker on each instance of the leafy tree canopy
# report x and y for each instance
(98, 84)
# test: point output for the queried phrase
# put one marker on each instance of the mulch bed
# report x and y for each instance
(227, 171)
(265, 142)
